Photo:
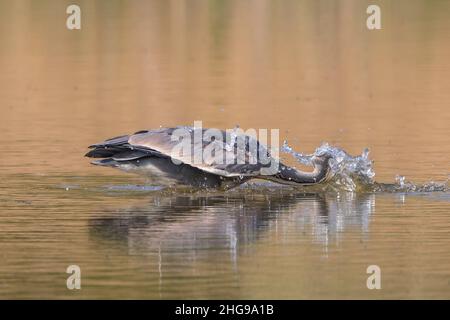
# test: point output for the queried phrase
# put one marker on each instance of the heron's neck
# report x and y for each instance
(289, 174)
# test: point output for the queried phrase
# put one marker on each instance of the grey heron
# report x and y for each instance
(151, 153)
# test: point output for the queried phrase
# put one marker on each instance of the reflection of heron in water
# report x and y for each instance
(192, 223)
(213, 237)
(151, 153)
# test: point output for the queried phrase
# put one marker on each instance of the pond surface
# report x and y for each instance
(309, 68)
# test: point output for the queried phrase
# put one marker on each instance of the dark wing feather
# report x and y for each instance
(120, 149)
(129, 155)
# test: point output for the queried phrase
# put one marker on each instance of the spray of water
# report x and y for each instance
(355, 173)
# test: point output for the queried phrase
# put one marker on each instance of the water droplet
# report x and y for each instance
(400, 180)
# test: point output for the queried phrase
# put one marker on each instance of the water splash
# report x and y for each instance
(302, 158)
(402, 185)
(356, 173)
(348, 172)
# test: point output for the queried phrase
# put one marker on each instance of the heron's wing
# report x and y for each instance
(185, 144)
(119, 149)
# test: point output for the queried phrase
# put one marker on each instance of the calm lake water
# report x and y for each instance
(309, 68)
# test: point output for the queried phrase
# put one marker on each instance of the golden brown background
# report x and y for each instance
(310, 68)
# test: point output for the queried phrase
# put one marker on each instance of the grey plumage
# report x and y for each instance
(150, 153)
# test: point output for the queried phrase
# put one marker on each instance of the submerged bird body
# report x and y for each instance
(209, 163)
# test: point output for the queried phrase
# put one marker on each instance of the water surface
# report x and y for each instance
(308, 68)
